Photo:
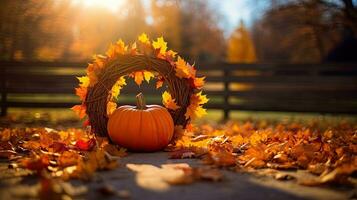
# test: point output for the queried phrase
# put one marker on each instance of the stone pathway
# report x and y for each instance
(234, 185)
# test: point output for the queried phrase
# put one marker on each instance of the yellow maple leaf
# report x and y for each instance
(148, 75)
(160, 44)
(195, 110)
(144, 38)
(111, 106)
(198, 99)
(83, 81)
(171, 53)
(118, 86)
(169, 102)
(121, 81)
(111, 51)
(120, 47)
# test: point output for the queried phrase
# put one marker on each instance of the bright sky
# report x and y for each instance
(232, 10)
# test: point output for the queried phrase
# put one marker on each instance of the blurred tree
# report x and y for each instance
(66, 29)
(30, 29)
(303, 30)
(240, 46)
(97, 27)
(166, 16)
(94, 29)
(202, 38)
(190, 27)
(132, 20)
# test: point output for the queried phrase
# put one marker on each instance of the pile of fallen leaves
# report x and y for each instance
(328, 153)
(74, 153)
(325, 154)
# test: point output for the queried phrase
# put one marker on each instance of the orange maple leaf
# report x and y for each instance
(169, 102)
(80, 110)
(121, 48)
(81, 92)
(199, 82)
(159, 83)
(183, 69)
(138, 77)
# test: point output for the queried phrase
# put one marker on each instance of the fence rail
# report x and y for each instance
(324, 88)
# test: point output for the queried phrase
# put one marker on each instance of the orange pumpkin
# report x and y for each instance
(141, 128)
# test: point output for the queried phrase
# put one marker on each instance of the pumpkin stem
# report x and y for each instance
(140, 102)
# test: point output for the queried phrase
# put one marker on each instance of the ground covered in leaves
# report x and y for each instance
(322, 156)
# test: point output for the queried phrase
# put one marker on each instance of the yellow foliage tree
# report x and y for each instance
(240, 46)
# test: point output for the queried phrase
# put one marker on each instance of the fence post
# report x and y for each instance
(226, 94)
(3, 90)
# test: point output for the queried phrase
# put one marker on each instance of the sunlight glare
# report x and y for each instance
(112, 5)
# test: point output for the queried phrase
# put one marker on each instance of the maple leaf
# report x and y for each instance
(223, 159)
(111, 106)
(138, 77)
(159, 84)
(170, 56)
(80, 110)
(183, 69)
(198, 98)
(160, 44)
(169, 102)
(195, 110)
(144, 38)
(120, 47)
(118, 86)
(81, 92)
(199, 82)
(148, 75)
(99, 61)
(91, 73)
(83, 81)
(133, 49)
(111, 51)
(114, 150)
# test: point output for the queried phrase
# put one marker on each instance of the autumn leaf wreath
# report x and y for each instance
(142, 60)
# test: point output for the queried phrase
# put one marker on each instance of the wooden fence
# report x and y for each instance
(322, 88)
